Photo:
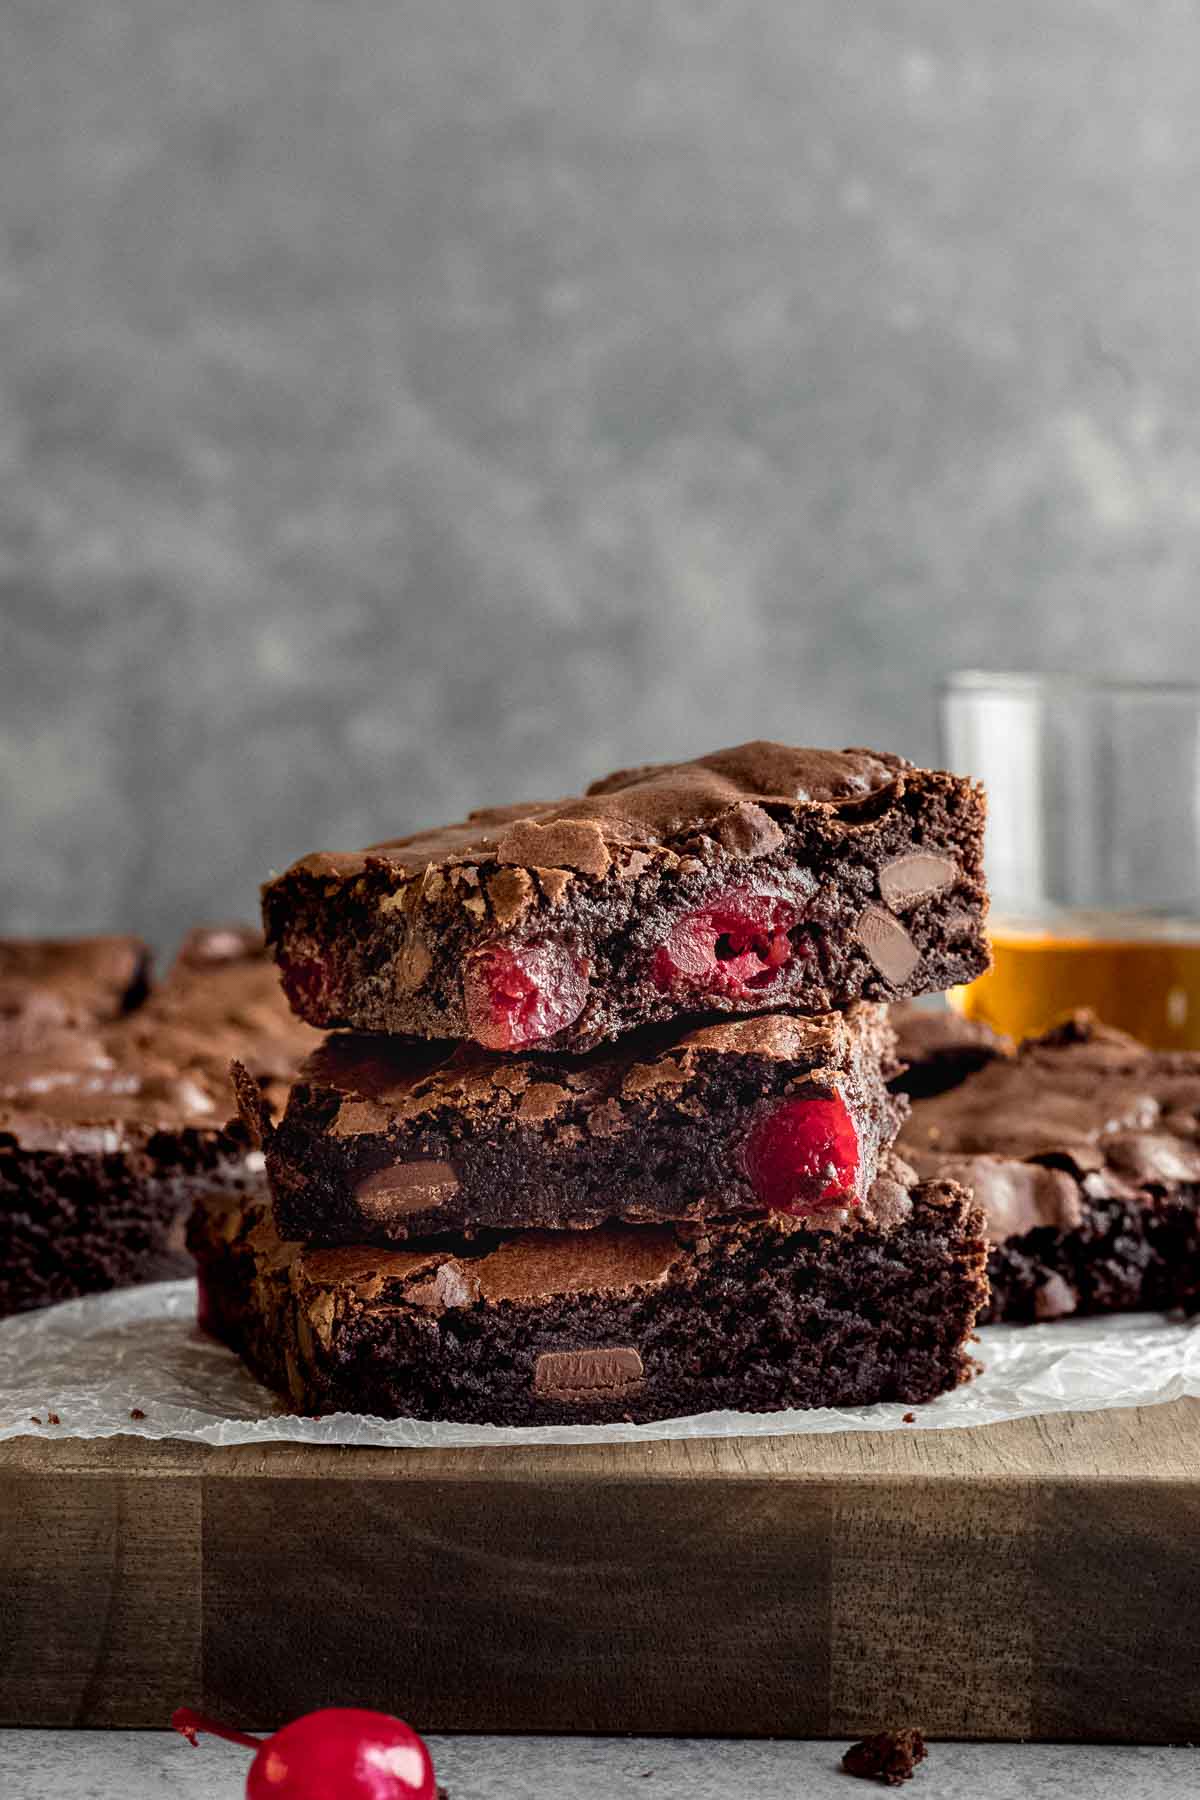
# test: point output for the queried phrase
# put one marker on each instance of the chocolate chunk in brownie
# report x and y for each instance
(108, 1132)
(938, 1048)
(887, 1756)
(1084, 1152)
(48, 985)
(623, 1322)
(756, 879)
(385, 1140)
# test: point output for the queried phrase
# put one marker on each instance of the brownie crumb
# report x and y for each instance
(909, 1419)
(887, 1756)
(53, 1419)
(135, 1412)
(33, 1419)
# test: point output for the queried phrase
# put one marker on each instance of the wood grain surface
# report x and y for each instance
(1032, 1580)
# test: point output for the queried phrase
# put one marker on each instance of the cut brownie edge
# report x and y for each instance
(383, 1142)
(623, 1323)
(1125, 1258)
(72, 1225)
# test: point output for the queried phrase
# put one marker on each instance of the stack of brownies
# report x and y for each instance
(609, 1136)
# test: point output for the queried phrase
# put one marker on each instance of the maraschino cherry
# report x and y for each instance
(339, 1753)
(737, 944)
(522, 994)
(304, 984)
(802, 1156)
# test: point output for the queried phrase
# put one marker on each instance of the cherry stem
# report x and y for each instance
(189, 1723)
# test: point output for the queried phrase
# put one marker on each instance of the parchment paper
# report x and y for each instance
(94, 1362)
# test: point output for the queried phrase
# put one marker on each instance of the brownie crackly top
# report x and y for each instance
(48, 985)
(939, 1047)
(385, 1140)
(756, 877)
(1082, 1114)
(160, 1068)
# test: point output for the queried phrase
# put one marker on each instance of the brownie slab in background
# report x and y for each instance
(623, 1322)
(938, 1048)
(1084, 1152)
(761, 878)
(384, 1140)
(108, 1132)
(49, 985)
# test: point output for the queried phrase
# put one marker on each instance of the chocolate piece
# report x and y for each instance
(420, 1186)
(1055, 1299)
(50, 985)
(758, 877)
(583, 1375)
(623, 1322)
(888, 945)
(1084, 1152)
(887, 1756)
(383, 1141)
(911, 878)
(108, 1132)
(939, 1048)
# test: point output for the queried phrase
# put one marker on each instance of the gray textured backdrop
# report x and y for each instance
(403, 404)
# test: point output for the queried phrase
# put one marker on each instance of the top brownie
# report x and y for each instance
(756, 879)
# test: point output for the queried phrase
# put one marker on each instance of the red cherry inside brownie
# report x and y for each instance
(342, 1751)
(803, 1156)
(737, 945)
(522, 994)
(304, 984)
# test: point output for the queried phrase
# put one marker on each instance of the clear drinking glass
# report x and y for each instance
(1093, 849)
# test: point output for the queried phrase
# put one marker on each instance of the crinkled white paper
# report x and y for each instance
(95, 1362)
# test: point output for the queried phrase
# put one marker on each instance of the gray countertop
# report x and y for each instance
(128, 1765)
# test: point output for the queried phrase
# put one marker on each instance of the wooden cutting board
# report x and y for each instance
(1033, 1580)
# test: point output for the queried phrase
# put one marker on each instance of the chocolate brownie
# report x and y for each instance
(385, 1140)
(875, 1302)
(758, 879)
(107, 1133)
(887, 1756)
(938, 1048)
(1084, 1152)
(49, 985)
